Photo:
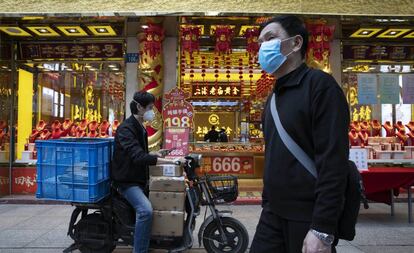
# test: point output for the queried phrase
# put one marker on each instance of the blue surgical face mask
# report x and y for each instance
(270, 55)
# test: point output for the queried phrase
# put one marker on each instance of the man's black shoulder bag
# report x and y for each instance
(354, 192)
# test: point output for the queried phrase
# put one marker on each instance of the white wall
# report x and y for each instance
(170, 47)
(335, 60)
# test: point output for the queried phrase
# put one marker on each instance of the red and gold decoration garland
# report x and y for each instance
(190, 36)
(320, 36)
(252, 36)
(223, 36)
(154, 35)
(150, 75)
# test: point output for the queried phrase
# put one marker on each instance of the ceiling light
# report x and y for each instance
(102, 30)
(381, 20)
(365, 32)
(69, 69)
(393, 33)
(116, 69)
(14, 31)
(398, 20)
(43, 31)
(4, 67)
(112, 65)
(92, 69)
(144, 26)
(72, 30)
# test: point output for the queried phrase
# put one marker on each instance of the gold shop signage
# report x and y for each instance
(30, 51)
(216, 91)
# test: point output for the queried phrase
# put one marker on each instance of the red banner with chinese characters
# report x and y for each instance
(177, 139)
(228, 165)
(177, 112)
(30, 51)
(216, 91)
(24, 180)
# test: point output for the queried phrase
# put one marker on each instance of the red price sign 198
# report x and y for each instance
(183, 121)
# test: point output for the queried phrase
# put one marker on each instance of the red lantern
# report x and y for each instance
(252, 35)
(154, 35)
(190, 39)
(223, 35)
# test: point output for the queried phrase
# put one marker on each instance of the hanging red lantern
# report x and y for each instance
(223, 36)
(190, 37)
(252, 36)
(154, 35)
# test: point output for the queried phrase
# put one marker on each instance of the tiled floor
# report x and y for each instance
(43, 228)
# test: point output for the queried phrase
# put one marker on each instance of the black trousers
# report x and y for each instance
(277, 235)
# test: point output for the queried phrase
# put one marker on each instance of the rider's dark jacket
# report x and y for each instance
(131, 157)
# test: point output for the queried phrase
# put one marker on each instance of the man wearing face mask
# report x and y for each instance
(300, 211)
(131, 160)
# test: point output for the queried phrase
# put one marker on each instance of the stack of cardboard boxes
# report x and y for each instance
(167, 196)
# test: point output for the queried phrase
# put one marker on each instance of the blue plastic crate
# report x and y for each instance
(74, 169)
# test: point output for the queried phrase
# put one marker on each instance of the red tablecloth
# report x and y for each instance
(379, 182)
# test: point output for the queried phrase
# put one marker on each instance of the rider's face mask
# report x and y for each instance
(148, 113)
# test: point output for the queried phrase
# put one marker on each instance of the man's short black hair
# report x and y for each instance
(293, 26)
(213, 127)
(143, 98)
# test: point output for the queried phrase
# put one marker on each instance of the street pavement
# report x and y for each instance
(42, 229)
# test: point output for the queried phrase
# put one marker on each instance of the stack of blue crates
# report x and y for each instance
(75, 170)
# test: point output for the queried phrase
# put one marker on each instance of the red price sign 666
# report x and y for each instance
(232, 165)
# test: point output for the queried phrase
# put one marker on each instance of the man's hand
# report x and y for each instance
(180, 160)
(156, 153)
(312, 244)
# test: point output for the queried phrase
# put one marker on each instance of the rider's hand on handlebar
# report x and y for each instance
(179, 160)
(157, 153)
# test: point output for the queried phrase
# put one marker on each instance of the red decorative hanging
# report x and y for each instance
(203, 68)
(190, 39)
(154, 35)
(223, 35)
(320, 35)
(252, 36)
(216, 75)
(228, 63)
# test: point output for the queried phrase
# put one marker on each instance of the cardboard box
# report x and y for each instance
(167, 201)
(166, 170)
(168, 223)
(167, 184)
